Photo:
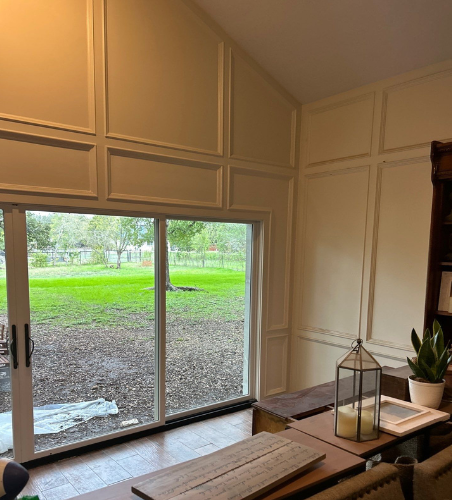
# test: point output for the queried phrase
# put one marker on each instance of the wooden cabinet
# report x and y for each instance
(440, 254)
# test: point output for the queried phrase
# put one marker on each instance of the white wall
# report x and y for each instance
(364, 219)
(147, 107)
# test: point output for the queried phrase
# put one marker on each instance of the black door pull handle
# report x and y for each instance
(13, 346)
(28, 341)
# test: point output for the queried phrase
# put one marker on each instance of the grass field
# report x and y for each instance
(90, 295)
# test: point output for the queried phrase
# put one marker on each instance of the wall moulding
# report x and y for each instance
(337, 171)
(387, 343)
(276, 365)
(302, 336)
(274, 213)
(362, 151)
(293, 118)
(140, 138)
(233, 170)
(324, 331)
(163, 173)
(417, 82)
(317, 303)
(91, 125)
(381, 168)
(346, 347)
(79, 158)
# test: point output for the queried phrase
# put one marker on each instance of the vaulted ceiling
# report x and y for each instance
(318, 48)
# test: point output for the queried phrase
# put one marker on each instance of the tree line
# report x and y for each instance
(66, 232)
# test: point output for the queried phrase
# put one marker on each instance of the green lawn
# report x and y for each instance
(91, 295)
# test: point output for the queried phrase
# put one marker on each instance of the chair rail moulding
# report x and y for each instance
(233, 55)
(376, 240)
(40, 158)
(40, 52)
(325, 331)
(200, 27)
(442, 127)
(273, 212)
(280, 364)
(346, 347)
(159, 171)
(363, 131)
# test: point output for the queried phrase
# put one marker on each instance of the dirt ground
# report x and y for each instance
(204, 365)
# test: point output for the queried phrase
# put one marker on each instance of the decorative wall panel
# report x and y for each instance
(276, 364)
(314, 362)
(164, 76)
(341, 131)
(47, 74)
(34, 164)
(271, 193)
(417, 112)
(262, 126)
(400, 254)
(159, 179)
(334, 239)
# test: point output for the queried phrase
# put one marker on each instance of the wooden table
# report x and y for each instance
(337, 464)
(322, 427)
(274, 414)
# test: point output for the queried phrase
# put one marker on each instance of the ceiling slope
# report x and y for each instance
(318, 48)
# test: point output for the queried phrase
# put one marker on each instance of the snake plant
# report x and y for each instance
(432, 356)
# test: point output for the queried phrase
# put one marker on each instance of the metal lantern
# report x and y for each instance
(358, 392)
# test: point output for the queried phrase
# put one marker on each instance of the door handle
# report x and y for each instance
(28, 341)
(13, 346)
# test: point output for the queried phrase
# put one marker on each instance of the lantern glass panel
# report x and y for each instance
(357, 404)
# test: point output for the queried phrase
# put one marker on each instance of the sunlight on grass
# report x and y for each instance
(90, 295)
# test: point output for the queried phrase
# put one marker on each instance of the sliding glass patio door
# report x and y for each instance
(117, 326)
(207, 314)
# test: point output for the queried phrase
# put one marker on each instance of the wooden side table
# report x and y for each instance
(274, 414)
(322, 427)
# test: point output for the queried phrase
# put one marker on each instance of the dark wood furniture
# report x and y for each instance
(440, 252)
(337, 464)
(274, 414)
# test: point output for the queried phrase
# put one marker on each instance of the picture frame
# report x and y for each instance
(445, 292)
(399, 417)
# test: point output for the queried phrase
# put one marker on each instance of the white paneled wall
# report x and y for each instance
(364, 219)
(148, 107)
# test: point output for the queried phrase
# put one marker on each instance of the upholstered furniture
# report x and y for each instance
(380, 483)
(433, 477)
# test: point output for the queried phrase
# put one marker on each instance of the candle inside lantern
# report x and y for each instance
(347, 420)
(367, 422)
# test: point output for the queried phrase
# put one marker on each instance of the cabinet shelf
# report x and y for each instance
(443, 313)
(440, 236)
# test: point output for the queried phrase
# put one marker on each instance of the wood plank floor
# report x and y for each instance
(73, 476)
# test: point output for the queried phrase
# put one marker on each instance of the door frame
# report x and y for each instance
(18, 305)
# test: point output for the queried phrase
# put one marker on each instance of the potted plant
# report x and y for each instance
(431, 362)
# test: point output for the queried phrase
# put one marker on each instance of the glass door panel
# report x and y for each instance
(91, 283)
(208, 309)
(6, 437)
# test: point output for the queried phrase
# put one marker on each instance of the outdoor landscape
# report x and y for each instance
(92, 303)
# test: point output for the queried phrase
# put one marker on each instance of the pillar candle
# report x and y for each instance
(347, 420)
(367, 422)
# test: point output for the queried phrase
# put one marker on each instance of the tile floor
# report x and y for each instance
(88, 472)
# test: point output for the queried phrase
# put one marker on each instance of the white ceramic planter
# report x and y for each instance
(426, 394)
